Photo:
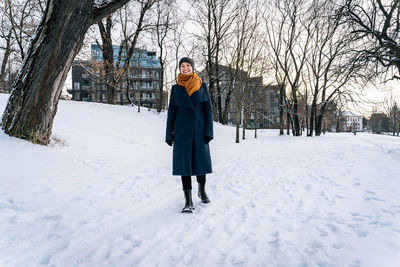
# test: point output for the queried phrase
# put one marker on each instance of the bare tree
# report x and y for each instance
(289, 33)
(18, 21)
(31, 108)
(23, 17)
(113, 71)
(331, 68)
(392, 110)
(215, 18)
(376, 23)
(243, 54)
(6, 55)
(165, 24)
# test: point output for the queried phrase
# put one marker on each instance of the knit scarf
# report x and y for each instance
(191, 82)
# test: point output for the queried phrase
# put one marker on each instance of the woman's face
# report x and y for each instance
(186, 68)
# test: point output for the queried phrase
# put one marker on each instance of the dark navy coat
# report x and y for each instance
(189, 124)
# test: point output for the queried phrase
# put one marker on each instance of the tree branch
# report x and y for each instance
(106, 7)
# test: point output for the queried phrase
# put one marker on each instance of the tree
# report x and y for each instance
(376, 23)
(289, 35)
(18, 21)
(33, 102)
(330, 65)
(380, 123)
(244, 54)
(164, 24)
(215, 18)
(393, 113)
(113, 71)
(7, 52)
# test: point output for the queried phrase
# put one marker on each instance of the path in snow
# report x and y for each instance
(108, 199)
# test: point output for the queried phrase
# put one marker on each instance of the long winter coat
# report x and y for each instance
(189, 124)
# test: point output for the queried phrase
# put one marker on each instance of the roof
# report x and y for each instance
(351, 114)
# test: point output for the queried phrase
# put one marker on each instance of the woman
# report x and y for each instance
(189, 130)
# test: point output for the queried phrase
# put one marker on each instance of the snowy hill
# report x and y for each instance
(104, 196)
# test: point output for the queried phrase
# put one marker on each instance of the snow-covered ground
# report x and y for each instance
(104, 196)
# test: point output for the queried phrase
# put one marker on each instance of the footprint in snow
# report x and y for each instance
(373, 198)
(362, 233)
(332, 227)
(386, 223)
(387, 211)
(133, 241)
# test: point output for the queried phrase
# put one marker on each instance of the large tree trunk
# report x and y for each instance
(34, 98)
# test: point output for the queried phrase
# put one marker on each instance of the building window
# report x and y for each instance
(78, 96)
(77, 86)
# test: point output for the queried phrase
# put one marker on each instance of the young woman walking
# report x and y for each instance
(189, 130)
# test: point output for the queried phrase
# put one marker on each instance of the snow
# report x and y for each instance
(101, 3)
(103, 195)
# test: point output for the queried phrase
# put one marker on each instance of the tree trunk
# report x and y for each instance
(33, 102)
(281, 122)
(161, 96)
(255, 124)
(281, 102)
(288, 123)
(238, 109)
(138, 99)
(319, 119)
(7, 53)
(296, 125)
(227, 107)
(108, 58)
(244, 126)
(312, 118)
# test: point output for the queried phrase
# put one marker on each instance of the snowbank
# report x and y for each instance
(103, 195)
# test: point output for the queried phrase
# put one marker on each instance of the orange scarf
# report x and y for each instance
(191, 82)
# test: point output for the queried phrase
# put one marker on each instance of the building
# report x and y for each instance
(353, 121)
(260, 99)
(140, 85)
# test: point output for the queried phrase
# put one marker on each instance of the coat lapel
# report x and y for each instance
(199, 96)
(182, 98)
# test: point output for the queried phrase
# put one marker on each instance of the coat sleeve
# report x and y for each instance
(208, 116)
(169, 136)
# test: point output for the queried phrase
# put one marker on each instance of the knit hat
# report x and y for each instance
(188, 60)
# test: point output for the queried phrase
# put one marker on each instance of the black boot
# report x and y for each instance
(188, 201)
(202, 194)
